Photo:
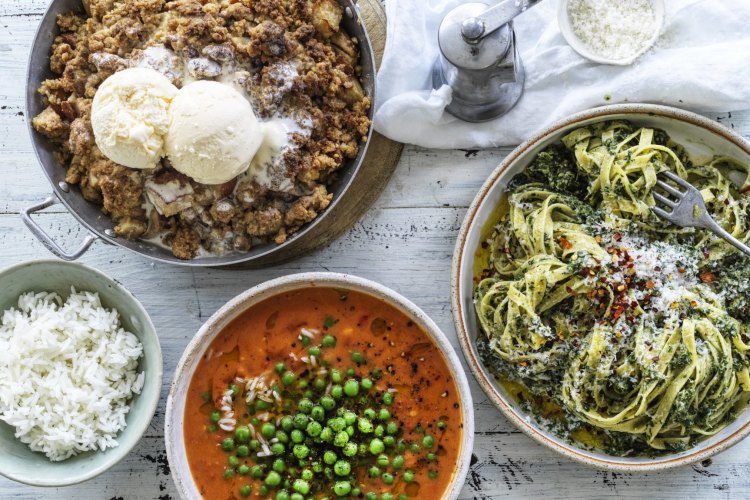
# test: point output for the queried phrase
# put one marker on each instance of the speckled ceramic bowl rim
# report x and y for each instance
(268, 289)
(475, 364)
(121, 451)
(566, 28)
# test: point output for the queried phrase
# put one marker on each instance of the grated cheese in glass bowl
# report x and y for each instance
(610, 32)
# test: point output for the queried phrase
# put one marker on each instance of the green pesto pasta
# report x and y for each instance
(634, 327)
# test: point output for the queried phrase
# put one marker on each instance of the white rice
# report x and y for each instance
(67, 372)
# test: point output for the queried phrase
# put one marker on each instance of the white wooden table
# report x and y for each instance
(404, 242)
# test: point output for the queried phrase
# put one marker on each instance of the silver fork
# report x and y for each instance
(689, 210)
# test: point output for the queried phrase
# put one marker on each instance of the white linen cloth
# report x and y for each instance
(701, 63)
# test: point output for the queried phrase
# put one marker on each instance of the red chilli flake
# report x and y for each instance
(617, 237)
(565, 244)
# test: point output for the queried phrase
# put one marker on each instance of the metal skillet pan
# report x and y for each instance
(88, 214)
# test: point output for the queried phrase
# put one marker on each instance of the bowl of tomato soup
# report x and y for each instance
(319, 385)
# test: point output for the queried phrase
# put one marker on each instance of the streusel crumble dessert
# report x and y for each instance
(290, 58)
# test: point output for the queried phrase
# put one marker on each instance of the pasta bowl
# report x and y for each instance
(702, 139)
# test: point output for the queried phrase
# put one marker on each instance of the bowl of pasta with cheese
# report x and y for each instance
(600, 330)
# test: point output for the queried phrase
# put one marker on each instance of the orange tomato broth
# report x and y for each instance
(269, 331)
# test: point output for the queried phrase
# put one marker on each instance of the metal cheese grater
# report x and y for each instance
(479, 59)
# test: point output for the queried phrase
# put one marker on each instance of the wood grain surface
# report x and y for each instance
(405, 242)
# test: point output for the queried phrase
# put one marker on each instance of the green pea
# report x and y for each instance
(356, 492)
(263, 490)
(357, 357)
(302, 384)
(391, 428)
(297, 436)
(350, 430)
(278, 448)
(242, 434)
(282, 495)
(371, 495)
(414, 448)
(286, 423)
(329, 457)
(326, 434)
(227, 444)
(350, 417)
(329, 341)
(317, 467)
(261, 405)
(318, 413)
(288, 378)
(341, 438)
(383, 460)
(336, 377)
(364, 426)
(279, 368)
(389, 440)
(370, 413)
(376, 446)
(307, 474)
(243, 470)
(215, 416)
(256, 471)
(398, 462)
(314, 351)
(366, 384)
(350, 449)
(337, 392)
(305, 406)
(350, 372)
(408, 476)
(328, 403)
(441, 424)
(319, 384)
(233, 461)
(387, 478)
(379, 431)
(376, 374)
(273, 478)
(235, 390)
(228, 473)
(243, 451)
(297, 496)
(401, 447)
(388, 398)
(300, 421)
(337, 424)
(246, 490)
(431, 457)
(386, 496)
(282, 436)
(428, 441)
(279, 465)
(373, 471)
(384, 414)
(301, 486)
(432, 474)
(268, 430)
(301, 451)
(351, 388)
(212, 428)
(314, 429)
(342, 468)
(342, 488)
(403, 496)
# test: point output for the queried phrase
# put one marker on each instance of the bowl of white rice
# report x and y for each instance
(80, 372)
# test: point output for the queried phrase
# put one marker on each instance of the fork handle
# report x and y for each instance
(714, 227)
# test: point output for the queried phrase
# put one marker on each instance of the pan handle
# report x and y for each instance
(44, 237)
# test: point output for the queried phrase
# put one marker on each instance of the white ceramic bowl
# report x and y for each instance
(563, 19)
(17, 461)
(232, 309)
(702, 138)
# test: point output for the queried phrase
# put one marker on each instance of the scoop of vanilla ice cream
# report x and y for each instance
(130, 116)
(213, 132)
